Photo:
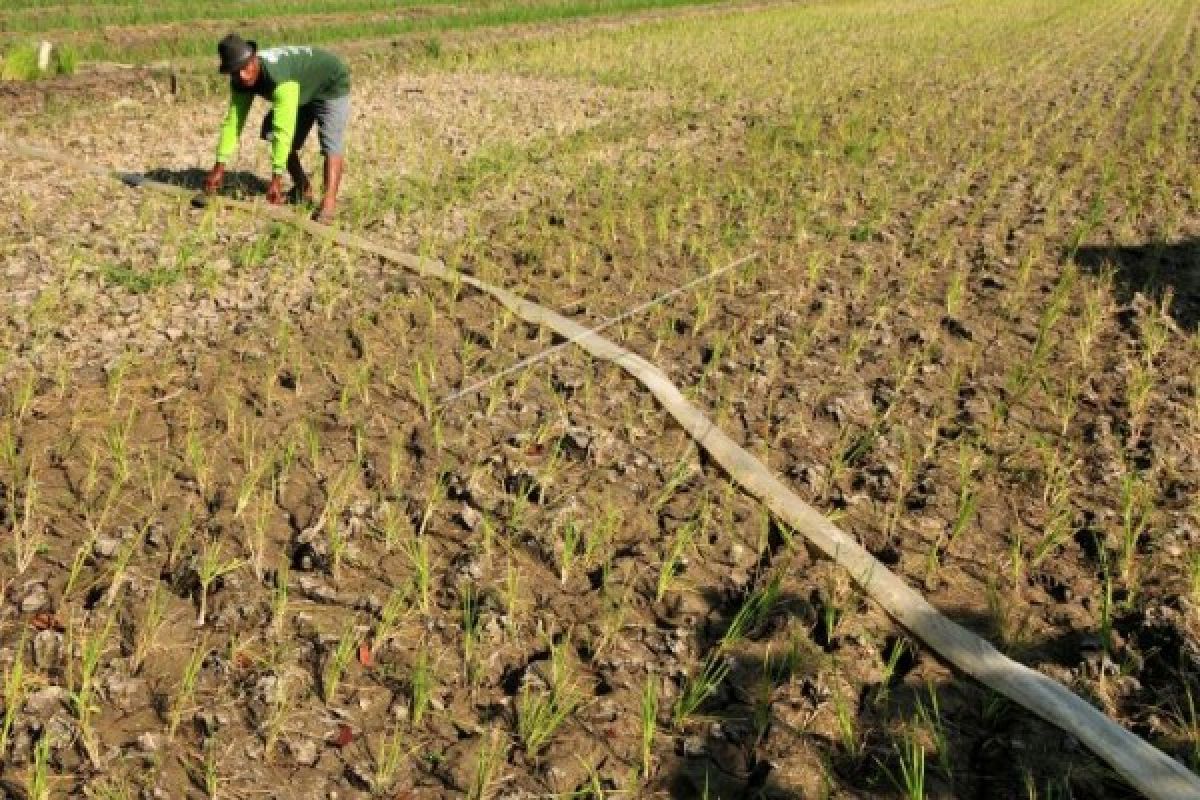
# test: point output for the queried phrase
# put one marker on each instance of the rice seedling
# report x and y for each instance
(37, 785)
(186, 690)
(420, 686)
(752, 613)
(912, 768)
(698, 688)
(210, 566)
(154, 616)
(674, 561)
(81, 678)
(418, 554)
(571, 544)
(279, 596)
(890, 663)
(388, 757)
(491, 755)
(1135, 509)
(541, 713)
(929, 714)
(28, 533)
(336, 661)
(278, 707)
(470, 631)
(649, 724)
(15, 688)
(847, 728)
(968, 493)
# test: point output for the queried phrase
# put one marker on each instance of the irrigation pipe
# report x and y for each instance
(1147, 769)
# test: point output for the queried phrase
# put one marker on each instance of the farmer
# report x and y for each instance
(305, 85)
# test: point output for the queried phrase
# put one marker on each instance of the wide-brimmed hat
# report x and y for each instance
(235, 52)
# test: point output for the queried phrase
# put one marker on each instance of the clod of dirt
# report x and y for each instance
(955, 328)
(45, 702)
(469, 517)
(47, 649)
(523, 484)
(458, 766)
(33, 597)
(316, 590)
(150, 743)
(125, 693)
(305, 558)
(576, 444)
(360, 777)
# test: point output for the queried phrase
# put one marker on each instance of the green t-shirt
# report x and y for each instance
(290, 77)
(321, 74)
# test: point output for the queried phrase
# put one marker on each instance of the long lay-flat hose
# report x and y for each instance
(1146, 768)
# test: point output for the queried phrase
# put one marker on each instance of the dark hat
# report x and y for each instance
(235, 52)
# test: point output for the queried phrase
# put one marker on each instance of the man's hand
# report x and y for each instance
(215, 176)
(275, 190)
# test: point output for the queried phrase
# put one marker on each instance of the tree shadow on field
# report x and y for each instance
(992, 748)
(236, 183)
(1152, 269)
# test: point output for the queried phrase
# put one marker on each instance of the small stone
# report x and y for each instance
(106, 546)
(470, 517)
(150, 742)
(267, 688)
(304, 751)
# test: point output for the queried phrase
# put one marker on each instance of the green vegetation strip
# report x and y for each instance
(1146, 768)
(73, 17)
(431, 18)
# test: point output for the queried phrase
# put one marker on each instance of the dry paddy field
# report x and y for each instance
(255, 544)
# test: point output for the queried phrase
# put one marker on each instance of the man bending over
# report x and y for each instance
(304, 85)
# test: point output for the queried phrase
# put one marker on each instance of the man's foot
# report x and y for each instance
(324, 215)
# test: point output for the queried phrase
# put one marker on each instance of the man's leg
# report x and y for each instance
(332, 116)
(333, 179)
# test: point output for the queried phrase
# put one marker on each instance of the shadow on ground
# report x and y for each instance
(992, 748)
(236, 183)
(1152, 269)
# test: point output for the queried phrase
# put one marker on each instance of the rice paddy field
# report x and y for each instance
(278, 519)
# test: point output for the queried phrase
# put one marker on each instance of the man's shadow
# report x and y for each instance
(235, 183)
(1151, 269)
